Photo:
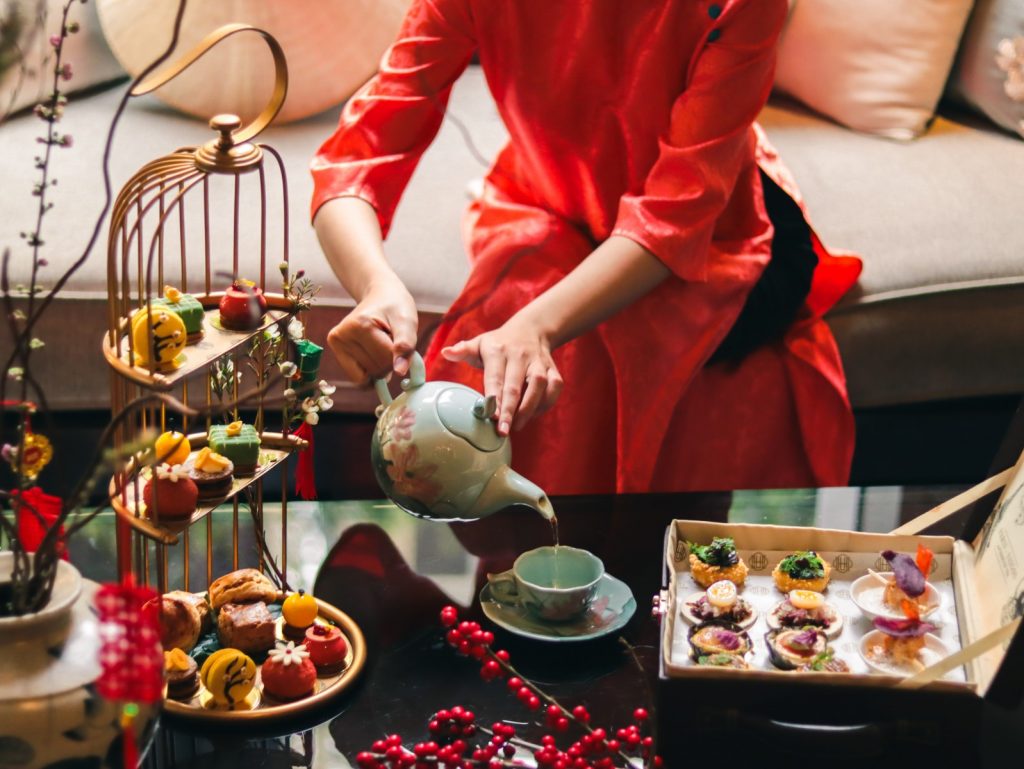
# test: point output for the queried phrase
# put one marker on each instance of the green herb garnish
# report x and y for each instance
(803, 564)
(721, 552)
(821, 661)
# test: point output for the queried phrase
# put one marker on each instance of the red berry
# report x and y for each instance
(580, 714)
(647, 742)
(379, 746)
(599, 734)
(433, 726)
(533, 703)
(466, 716)
(449, 616)
(502, 655)
(524, 693)
(478, 652)
(562, 724)
(514, 683)
(658, 763)
(508, 751)
(640, 714)
(393, 752)
(487, 637)
(394, 739)
(459, 747)
(465, 648)
(614, 745)
(554, 711)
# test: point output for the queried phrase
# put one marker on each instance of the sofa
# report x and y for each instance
(933, 328)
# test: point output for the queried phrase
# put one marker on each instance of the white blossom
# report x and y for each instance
(324, 403)
(290, 395)
(296, 331)
(1010, 59)
(312, 418)
(326, 388)
(288, 369)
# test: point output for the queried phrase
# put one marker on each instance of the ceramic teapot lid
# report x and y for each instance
(467, 414)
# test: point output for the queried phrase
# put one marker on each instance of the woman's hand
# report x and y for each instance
(379, 335)
(518, 369)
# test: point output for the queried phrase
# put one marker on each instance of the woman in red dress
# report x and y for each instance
(635, 240)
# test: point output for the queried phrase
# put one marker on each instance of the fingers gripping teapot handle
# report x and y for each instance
(417, 376)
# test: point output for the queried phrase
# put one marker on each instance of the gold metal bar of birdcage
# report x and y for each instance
(263, 227)
(181, 242)
(163, 567)
(156, 245)
(209, 548)
(284, 517)
(145, 562)
(234, 248)
(284, 199)
(259, 516)
(234, 532)
(159, 237)
(184, 399)
(185, 561)
(206, 229)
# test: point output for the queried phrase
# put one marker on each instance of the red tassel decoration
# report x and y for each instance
(305, 479)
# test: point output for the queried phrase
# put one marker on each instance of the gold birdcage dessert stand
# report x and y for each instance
(173, 375)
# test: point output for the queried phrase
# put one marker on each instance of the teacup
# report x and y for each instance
(553, 583)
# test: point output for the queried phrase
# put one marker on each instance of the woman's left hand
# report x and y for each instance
(518, 370)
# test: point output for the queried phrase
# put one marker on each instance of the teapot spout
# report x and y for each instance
(507, 487)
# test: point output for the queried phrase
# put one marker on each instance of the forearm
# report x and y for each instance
(350, 237)
(615, 275)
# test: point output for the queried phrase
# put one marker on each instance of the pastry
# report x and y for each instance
(165, 331)
(299, 610)
(202, 606)
(720, 601)
(180, 623)
(718, 638)
(246, 626)
(182, 675)
(170, 495)
(802, 570)
(211, 474)
(172, 448)
(238, 442)
(789, 648)
(803, 608)
(326, 646)
(288, 673)
(717, 561)
(242, 586)
(229, 676)
(186, 307)
(242, 307)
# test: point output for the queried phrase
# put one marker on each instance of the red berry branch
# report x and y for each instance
(451, 730)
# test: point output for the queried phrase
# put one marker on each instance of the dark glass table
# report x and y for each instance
(392, 574)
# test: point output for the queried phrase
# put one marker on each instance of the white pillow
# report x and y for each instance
(877, 66)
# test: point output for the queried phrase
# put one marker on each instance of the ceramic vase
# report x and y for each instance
(50, 714)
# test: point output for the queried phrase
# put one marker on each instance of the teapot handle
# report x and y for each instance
(417, 377)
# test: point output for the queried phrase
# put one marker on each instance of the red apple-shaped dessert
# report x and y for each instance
(170, 494)
(326, 646)
(242, 306)
(288, 674)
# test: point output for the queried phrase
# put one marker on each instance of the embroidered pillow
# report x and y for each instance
(876, 66)
(989, 72)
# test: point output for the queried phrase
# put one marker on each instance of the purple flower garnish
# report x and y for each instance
(727, 639)
(804, 640)
(903, 628)
(909, 578)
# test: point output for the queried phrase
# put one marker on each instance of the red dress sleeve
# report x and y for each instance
(709, 141)
(386, 126)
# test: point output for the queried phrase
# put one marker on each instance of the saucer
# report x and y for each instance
(611, 610)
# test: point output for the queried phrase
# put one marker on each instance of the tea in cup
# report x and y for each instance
(553, 583)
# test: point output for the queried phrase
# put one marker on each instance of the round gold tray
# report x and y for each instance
(328, 687)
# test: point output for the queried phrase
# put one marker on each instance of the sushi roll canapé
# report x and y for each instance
(789, 648)
(802, 570)
(713, 638)
(719, 560)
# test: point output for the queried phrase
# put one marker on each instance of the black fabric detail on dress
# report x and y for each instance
(778, 295)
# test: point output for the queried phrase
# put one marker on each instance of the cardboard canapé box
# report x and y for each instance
(933, 713)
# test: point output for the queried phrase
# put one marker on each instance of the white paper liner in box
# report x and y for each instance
(761, 593)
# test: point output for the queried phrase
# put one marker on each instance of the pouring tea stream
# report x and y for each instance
(436, 453)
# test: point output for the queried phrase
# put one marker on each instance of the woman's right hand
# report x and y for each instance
(378, 335)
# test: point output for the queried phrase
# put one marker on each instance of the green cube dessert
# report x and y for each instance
(186, 307)
(238, 442)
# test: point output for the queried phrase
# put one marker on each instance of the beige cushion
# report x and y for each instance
(874, 65)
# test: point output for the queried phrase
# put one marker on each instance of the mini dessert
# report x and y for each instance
(242, 307)
(908, 581)
(299, 610)
(165, 331)
(806, 608)
(211, 474)
(327, 648)
(182, 675)
(715, 562)
(238, 442)
(172, 448)
(723, 661)
(242, 586)
(180, 623)
(789, 648)
(288, 673)
(718, 638)
(202, 606)
(719, 602)
(170, 495)
(826, 662)
(186, 307)
(229, 676)
(248, 627)
(802, 570)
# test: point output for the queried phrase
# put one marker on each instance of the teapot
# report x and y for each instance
(437, 454)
